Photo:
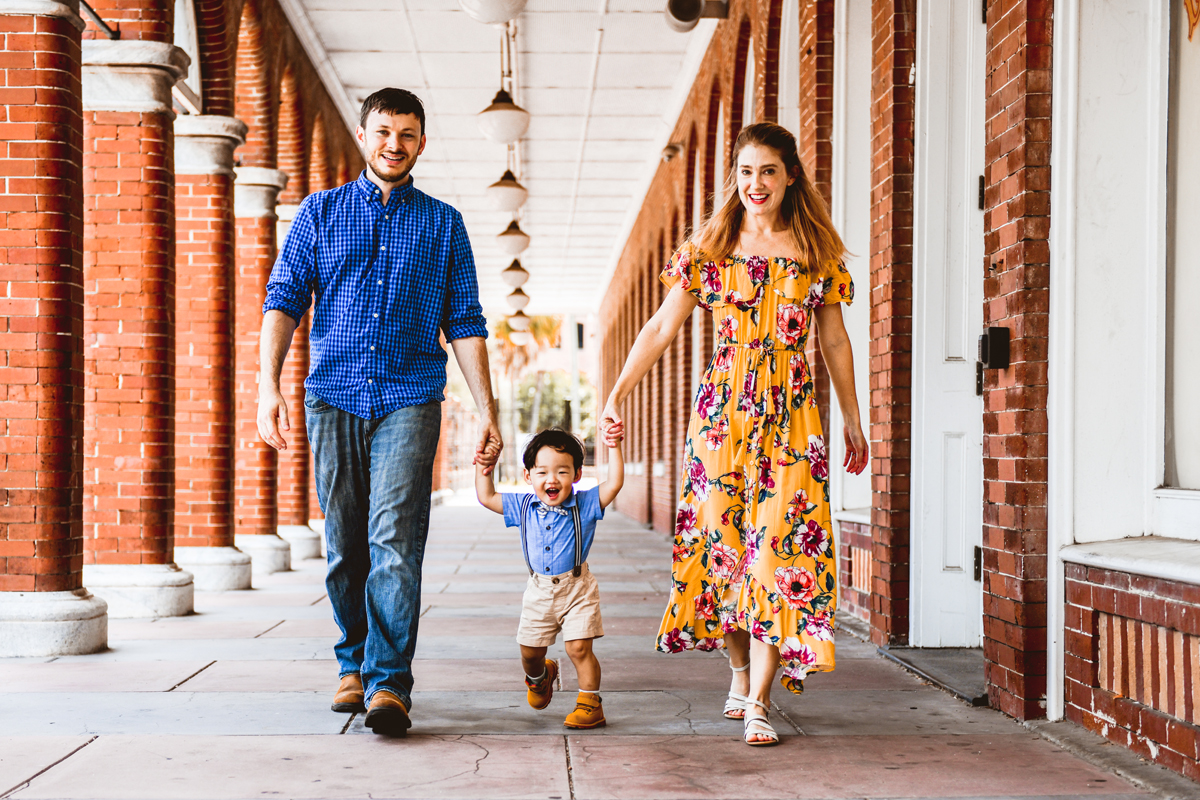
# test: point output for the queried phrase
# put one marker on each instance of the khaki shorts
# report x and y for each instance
(554, 603)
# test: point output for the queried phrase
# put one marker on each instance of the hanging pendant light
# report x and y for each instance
(515, 275)
(507, 194)
(517, 300)
(513, 240)
(492, 12)
(519, 338)
(503, 121)
(518, 321)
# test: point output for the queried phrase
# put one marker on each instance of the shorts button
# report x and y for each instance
(554, 580)
(547, 548)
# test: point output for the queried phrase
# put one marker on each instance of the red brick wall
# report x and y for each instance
(851, 601)
(893, 43)
(1157, 623)
(204, 361)
(293, 152)
(216, 32)
(41, 306)
(1016, 295)
(293, 463)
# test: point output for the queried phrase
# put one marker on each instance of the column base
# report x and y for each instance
(137, 591)
(215, 569)
(52, 624)
(318, 525)
(305, 542)
(268, 553)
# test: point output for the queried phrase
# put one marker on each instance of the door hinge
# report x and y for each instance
(979, 378)
(981, 193)
(978, 563)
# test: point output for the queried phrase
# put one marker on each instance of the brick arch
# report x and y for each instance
(343, 170)
(292, 155)
(143, 20)
(215, 32)
(710, 145)
(318, 157)
(252, 104)
(738, 87)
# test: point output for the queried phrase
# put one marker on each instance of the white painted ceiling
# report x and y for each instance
(604, 81)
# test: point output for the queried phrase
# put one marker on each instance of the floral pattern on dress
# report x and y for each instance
(753, 538)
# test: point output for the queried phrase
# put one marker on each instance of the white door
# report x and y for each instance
(947, 446)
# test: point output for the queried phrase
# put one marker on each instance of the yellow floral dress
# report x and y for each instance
(753, 539)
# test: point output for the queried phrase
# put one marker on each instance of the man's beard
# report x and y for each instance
(388, 179)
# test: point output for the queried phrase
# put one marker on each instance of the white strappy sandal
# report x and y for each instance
(736, 702)
(756, 724)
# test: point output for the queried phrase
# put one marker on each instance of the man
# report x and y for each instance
(390, 268)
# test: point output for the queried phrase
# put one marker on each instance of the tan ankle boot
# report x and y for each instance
(387, 714)
(588, 713)
(542, 691)
(349, 697)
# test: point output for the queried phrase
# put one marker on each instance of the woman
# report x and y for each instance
(754, 567)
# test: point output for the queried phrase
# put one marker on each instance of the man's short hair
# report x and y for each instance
(393, 101)
(555, 438)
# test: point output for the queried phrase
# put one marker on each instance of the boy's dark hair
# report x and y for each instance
(393, 101)
(555, 438)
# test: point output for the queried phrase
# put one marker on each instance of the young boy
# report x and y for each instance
(557, 527)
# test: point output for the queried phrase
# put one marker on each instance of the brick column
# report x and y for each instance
(893, 33)
(204, 433)
(292, 494)
(44, 609)
(256, 516)
(129, 330)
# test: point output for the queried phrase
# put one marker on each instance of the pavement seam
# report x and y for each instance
(25, 783)
(268, 630)
(189, 677)
(570, 774)
(319, 599)
(346, 727)
(789, 720)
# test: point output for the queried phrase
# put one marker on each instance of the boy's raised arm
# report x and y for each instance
(616, 476)
(485, 490)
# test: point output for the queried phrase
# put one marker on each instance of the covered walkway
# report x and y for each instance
(233, 702)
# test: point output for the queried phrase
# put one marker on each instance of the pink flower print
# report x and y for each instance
(709, 643)
(813, 539)
(746, 398)
(758, 630)
(735, 299)
(798, 368)
(756, 268)
(706, 400)
(675, 641)
(699, 479)
(706, 606)
(721, 560)
(715, 436)
(765, 473)
(819, 626)
(796, 652)
(796, 584)
(777, 401)
(796, 506)
(685, 521)
(790, 322)
(684, 261)
(710, 278)
(727, 329)
(816, 295)
(723, 361)
(818, 463)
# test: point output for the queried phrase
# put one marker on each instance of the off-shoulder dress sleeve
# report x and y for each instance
(685, 269)
(832, 284)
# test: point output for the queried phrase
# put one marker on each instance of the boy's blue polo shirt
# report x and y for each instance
(550, 530)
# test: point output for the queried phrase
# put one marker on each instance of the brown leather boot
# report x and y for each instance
(387, 715)
(540, 692)
(349, 697)
(588, 713)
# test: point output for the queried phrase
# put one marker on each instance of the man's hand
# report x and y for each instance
(487, 452)
(273, 418)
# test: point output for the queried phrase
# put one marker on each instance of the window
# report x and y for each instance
(748, 93)
(188, 91)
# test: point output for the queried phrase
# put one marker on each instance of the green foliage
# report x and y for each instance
(553, 409)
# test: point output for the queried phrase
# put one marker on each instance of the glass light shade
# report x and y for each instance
(519, 338)
(503, 121)
(492, 12)
(515, 275)
(517, 300)
(507, 194)
(518, 321)
(513, 240)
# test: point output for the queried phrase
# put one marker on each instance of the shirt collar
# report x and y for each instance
(570, 502)
(372, 192)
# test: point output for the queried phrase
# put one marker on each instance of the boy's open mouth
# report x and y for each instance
(553, 493)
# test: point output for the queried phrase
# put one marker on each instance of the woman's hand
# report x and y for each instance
(858, 454)
(611, 426)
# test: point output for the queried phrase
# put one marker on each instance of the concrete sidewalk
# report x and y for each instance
(234, 703)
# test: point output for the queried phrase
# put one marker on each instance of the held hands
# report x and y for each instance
(272, 417)
(611, 426)
(858, 455)
(487, 452)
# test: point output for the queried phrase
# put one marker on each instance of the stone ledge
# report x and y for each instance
(1151, 556)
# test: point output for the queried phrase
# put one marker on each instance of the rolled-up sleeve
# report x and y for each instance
(463, 315)
(293, 278)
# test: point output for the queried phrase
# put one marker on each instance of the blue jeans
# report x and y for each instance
(374, 478)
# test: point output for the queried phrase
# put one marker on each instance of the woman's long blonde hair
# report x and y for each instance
(803, 209)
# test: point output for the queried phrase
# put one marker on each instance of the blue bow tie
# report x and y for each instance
(542, 508)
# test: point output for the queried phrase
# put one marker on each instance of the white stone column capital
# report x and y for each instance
(67, 9)
(204, 144)
(256, 191)
(131, 75)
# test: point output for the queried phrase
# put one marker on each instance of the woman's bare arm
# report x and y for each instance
(839, 359)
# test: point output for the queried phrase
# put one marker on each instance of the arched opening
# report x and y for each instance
(189, 92)
(252, 100)
(743, 89)
(318, 158)
(292, 152)
(714, 148)
(787, 101)
(691, 190)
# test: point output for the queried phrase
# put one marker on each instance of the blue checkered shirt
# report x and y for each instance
(386, 280)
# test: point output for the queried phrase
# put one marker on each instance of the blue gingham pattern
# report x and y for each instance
(386, 279)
